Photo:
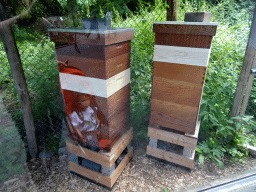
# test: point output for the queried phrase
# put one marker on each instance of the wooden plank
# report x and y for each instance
(117, 64)
(171, 157)
(165, 120)
(191, 28)
(171, 137)
(182, 55)
(117, 49)
(119, 123)
(182, 40)
(93, 175)
(180, 92)
(98, 68)
(94, 86)
(93, 37)
(121, 167)
(102, 52)
(249, 62)
(193, 74)
(87, 154)
(115, 103)
(91, 67)
(177, 112)
(119, 146)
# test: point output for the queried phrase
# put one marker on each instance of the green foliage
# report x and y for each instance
(165, 190)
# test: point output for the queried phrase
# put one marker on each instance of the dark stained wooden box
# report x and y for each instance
(181, 56)
(103, 60)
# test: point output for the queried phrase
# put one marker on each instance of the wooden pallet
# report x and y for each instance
(188, 142)
(109, 172)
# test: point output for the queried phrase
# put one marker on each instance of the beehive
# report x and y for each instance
(103, 56)
(181, 56)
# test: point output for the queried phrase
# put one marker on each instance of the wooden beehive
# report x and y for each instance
(181, 56)
(103, 56)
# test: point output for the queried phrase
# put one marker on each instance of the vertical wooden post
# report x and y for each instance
(172, 10)
(13, 56)
(246, 79)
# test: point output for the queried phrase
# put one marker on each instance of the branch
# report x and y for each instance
(13, 19)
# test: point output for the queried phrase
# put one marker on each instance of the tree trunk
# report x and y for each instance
(172, 10)
(13, 56)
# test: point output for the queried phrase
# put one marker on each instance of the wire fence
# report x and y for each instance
(40, 66)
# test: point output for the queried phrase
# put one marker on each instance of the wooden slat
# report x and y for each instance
(182, 55)
(165, 120)
(180, 92)
(170, 137)
(117, 49)
(184, 114)
(87, 154)
(119, 123)
(103, 158)
(98, 177)
(92, 37)
(117, 64)
(93, 175)
(182, 40)
(98, 68)
(119, 146)
(192, 28)
(121, 167)
(102, 52)
(115, 103)
(193, 74)
(171, 157)
(94, 86)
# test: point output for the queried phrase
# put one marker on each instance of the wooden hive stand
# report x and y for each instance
(101, 167)
(187, 141)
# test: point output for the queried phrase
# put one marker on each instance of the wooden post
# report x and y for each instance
(172, 10)
(245, 80)
(19, 80)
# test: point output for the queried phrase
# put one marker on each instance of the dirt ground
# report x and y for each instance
(143, 173)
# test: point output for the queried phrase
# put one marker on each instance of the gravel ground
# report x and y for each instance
(143, 173)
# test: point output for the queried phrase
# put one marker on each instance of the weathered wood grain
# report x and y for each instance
(98, 68)
(182, 55)
(59, 36)
(180, 92)
(115, 103)
(165, 120)
(170, 137)
(193, 74)
(171, 157)
(94, 51)
(182, 40)
(191, 28)
(174, 112)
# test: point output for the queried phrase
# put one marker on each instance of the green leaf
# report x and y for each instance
(201, 159)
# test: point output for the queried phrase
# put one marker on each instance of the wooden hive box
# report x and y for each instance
(103, 60)
(181, 56)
